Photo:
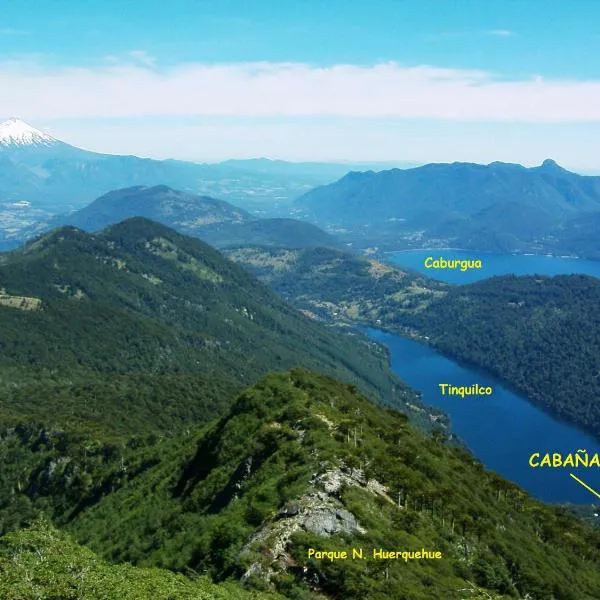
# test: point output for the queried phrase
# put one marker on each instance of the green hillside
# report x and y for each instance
(337, 286)
(301, 461)
(45, 564)
(138, 328)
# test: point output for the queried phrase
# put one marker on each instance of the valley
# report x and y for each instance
(528, 331)
(167, 305)
(338, 287)
(498, 427)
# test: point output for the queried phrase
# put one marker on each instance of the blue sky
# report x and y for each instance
(424, 80)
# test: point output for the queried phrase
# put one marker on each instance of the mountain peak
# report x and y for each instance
(550, 164)
(16, 133)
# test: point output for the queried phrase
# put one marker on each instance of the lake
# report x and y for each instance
(492, 264)
(503, 429)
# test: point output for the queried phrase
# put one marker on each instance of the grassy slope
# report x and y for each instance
(44, 564)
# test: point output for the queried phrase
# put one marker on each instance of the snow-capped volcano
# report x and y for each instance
(17, 133)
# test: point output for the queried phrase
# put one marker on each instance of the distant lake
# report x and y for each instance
(492, 264)
(503, 429)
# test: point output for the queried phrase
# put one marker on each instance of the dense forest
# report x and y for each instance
(298, 462)
(141, 317)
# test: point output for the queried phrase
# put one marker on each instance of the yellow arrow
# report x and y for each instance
(585, 485)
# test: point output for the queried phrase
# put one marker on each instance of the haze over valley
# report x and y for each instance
(502, 208)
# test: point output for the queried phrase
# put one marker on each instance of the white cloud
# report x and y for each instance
(500, 32)
(300, 112)
(143, 58)
(290, 89)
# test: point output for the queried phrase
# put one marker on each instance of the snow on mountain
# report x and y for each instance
(17, 133)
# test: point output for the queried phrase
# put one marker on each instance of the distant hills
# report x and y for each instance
(187, 212)
(55, 176)
(52, 174)
(497, 207)
(42, 177)
(214, 221)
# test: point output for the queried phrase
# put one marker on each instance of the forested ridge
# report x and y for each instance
(301, 461)
(144, 321)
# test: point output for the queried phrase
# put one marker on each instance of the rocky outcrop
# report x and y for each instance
(320, 511)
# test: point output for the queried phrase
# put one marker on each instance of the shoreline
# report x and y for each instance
(500, 386)
(428, 250)
(545, 255)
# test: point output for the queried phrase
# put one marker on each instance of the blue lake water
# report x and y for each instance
(502, 430)
(492, 264)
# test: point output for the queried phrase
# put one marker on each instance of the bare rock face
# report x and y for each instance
(320, 512)
(334, 479)
(316, 512)
(327, 521)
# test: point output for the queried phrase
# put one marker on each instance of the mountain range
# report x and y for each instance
(43, 180)
(497, 207)
(57, 176)
(215, 221)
